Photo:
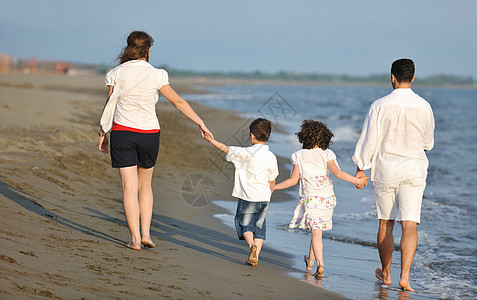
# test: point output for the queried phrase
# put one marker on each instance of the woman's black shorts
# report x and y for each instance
(134, 149)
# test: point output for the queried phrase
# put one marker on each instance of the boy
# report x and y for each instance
(255, 171)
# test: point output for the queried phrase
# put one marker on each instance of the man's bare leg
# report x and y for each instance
(408, 249)
(385, 247)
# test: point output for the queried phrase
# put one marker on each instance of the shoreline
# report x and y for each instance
(63, 230)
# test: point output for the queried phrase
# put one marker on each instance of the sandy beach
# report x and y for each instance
(62, 228)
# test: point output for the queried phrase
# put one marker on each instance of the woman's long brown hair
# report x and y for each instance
(138, 46)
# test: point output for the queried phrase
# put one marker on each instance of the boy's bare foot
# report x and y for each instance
(131, 246)
(252, 257)
(251, 264)
(405, 285)
(380, 276)
(148, 244)
(309, 265)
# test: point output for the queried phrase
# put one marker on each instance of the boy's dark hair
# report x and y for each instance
(261, 129)
(403, 69)
(314, 133)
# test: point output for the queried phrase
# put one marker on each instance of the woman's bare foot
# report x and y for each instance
(309, 265)
(379, 275)
(133, 247)
(148, 243)
(405, 285)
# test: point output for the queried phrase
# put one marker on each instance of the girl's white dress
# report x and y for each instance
(317, 198)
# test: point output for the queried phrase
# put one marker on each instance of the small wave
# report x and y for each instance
(345, 134)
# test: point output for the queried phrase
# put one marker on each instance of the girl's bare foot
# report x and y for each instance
(405, 285)
(148, 243)
(133, 247)
(320, 271)
(309, 265)
(379, 275)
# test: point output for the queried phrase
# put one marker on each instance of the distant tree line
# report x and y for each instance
(435, 80)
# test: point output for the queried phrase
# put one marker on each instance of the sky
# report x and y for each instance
(333, 37)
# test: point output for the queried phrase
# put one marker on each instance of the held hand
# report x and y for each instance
(362, 182)
(204, 130)
(208, 137)
(103, 144)
(361, 175)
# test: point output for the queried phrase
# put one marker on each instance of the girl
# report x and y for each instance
(317, 198)
(133, 89)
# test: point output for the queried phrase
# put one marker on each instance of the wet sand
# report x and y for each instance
(62, 228)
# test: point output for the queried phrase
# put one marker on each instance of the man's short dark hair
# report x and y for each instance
(261, 129)
(403, 69)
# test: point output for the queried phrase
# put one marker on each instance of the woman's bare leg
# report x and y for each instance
(129, 183)
(146, 201)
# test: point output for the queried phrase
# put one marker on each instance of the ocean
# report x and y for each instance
(445, 265)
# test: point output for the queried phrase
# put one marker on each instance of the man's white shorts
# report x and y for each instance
(400, 201)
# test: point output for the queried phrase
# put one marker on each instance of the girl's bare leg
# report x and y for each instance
(146, 201)
(316, 241)
(310, 259)
(129, 183)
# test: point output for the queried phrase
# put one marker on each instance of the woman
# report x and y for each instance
(133, 89)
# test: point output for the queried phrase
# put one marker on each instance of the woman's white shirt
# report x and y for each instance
(138, 83)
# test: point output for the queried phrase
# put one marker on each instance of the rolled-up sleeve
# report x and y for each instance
(429, 134)
(366, 145)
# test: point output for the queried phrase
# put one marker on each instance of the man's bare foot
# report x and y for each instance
(133, 247)
(405, 285)
(309, 265)
(252, 257)
(380, 276)
(148, 244)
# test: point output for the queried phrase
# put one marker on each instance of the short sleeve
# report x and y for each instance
(294, 158)
(163, 78)
(274, 169)
(330, 155)
(110, 78)
(236, 154)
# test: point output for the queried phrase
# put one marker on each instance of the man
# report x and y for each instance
(397, 131)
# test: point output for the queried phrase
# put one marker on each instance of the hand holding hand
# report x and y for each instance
(205, 131)
(208, 137)
(361, 175)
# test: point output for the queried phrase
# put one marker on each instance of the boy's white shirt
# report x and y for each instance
(255, 166)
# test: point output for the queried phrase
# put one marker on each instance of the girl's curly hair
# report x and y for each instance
(314, 133)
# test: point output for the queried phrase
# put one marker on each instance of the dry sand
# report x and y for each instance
(62, 229)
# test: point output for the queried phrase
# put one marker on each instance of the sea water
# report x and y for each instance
(445, 264)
